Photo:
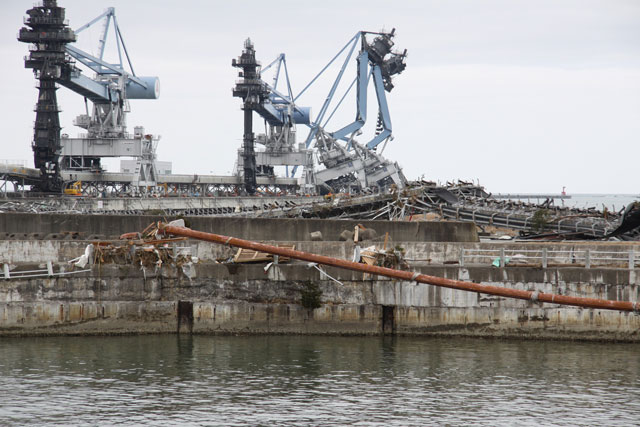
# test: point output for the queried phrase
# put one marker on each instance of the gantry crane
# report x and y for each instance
(348, 165)
(280, 115)
(53, 60)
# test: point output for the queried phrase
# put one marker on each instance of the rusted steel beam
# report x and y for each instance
(404, 275)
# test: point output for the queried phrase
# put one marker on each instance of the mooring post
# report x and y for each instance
(502, 260)
(545, 260)
(632, 259)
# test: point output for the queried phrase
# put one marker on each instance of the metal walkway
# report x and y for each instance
(114, 184)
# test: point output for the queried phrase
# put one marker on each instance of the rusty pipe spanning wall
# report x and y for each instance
(405, 275)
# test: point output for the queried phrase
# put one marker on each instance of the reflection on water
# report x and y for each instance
(260, 380)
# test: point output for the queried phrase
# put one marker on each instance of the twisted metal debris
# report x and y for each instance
(463, 202)
(454, 201)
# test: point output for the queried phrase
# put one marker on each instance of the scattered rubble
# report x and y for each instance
(390, 258)
(359, 234)
(251, 256)
(420, 201)
(316, 236)
(147, 250)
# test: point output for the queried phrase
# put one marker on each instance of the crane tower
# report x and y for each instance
(253, 93)
(48, 33)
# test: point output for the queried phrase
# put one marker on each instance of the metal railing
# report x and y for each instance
(545, 258)
(46, 272)
(44, 20)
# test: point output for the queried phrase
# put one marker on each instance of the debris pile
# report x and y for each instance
(251, 256)
(147, 250)
(463, 201)
(146, 255)
(390, 258)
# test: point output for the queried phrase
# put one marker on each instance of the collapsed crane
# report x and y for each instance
(348, 166)
(53, 60)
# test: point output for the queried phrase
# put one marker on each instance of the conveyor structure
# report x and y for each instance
(107, 185)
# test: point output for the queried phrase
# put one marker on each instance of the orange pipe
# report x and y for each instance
(404, 275)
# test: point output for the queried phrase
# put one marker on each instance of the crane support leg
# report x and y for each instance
(253, 93)
(383, 108)
(361, 112)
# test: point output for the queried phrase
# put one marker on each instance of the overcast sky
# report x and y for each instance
(524, 96)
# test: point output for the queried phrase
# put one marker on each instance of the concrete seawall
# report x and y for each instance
(20, 226)
(213, 297)
(244, 298)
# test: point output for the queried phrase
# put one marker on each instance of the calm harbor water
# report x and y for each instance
(283, 380)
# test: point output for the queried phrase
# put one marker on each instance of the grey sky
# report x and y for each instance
(526, 96)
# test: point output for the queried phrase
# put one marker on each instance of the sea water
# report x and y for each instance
(313, 380)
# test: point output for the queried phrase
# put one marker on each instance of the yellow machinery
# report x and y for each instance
(74, 189)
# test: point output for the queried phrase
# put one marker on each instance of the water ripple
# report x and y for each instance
(240, 381)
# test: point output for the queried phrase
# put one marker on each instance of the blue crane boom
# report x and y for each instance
(100, 90)
(377, 60)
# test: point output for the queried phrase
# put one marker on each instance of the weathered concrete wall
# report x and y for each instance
(245, 298)
(418, 253)
(22, 225)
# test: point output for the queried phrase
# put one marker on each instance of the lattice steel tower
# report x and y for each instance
(48, 33)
